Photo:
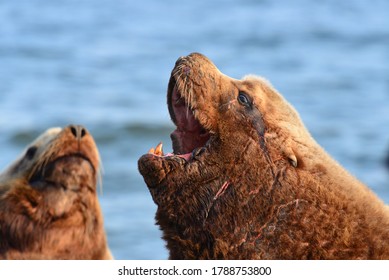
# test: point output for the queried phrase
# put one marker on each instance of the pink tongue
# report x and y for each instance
(187, 157)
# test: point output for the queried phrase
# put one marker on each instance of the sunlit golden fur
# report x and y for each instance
(262, 188)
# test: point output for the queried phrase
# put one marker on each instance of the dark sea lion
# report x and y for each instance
(48, 200)
(247, 180)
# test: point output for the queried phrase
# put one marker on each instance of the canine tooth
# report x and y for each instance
(158, 149)
(152, 151)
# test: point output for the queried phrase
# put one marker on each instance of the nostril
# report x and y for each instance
(83, 132)
(78, 131)
(74, 131)
(186, 70)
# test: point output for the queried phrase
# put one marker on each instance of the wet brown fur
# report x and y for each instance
(48, 203)
(263, 188)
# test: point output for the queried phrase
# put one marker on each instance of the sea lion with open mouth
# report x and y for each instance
(48, 200)
(247, 181)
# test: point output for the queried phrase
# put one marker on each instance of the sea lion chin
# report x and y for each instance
(247, 181)
(48, 199)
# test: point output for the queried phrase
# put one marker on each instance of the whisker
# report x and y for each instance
(100, 176)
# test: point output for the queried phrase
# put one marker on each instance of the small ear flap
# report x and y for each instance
(293, 160)
(288, 152)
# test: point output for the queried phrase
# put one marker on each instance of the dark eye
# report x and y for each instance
(31, 152)
(244, 99)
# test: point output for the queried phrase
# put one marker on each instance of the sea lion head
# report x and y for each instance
(65, 158)
(232, 140)
(207, 105)
(48, 199)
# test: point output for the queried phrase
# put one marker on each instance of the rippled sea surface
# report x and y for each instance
(105, 64)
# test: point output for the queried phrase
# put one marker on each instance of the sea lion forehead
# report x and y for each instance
(256, 84)
(46, 137)
(40, 143)
(18, 167)
(263, 91)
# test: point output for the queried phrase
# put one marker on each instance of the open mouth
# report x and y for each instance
(190, 137)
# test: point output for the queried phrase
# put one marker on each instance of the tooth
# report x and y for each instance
(152, 151)
(158, 149)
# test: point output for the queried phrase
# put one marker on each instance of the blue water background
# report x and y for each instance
(106, 63)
